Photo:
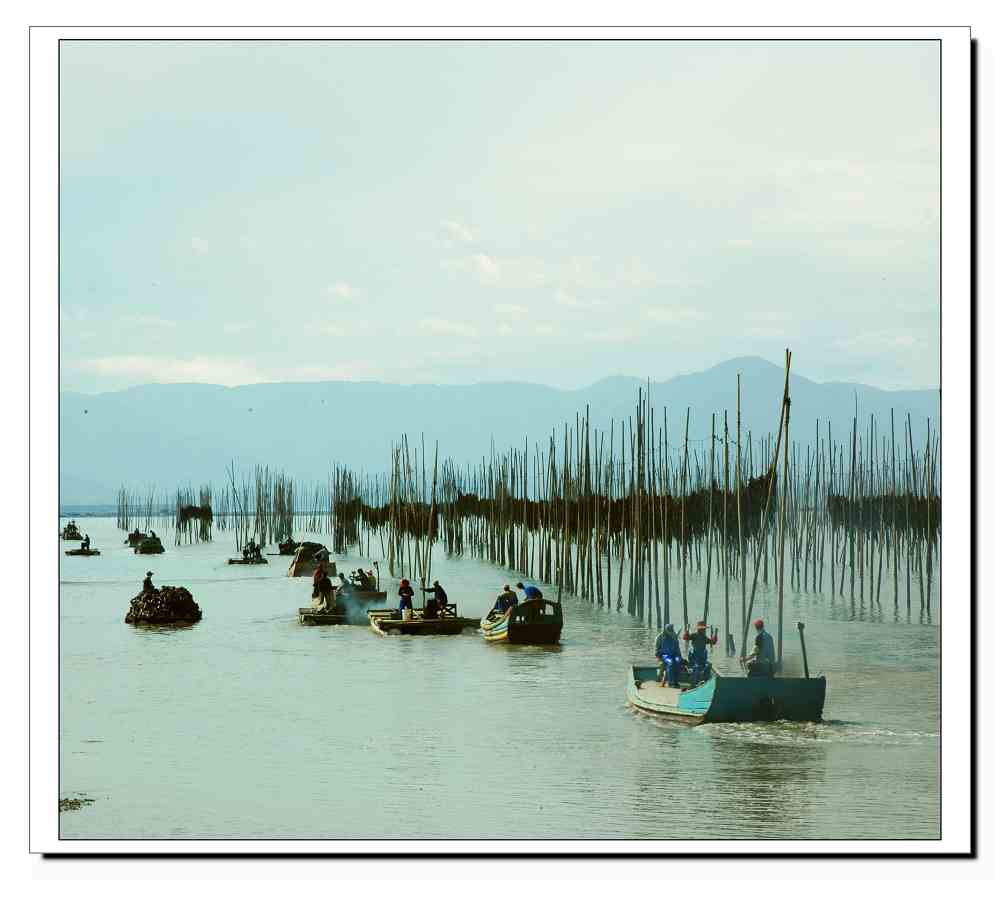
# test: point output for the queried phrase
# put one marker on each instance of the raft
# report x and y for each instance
(138, 538)
(388, 622)
(79, 552)
(535, 622)
(242, 561)
(727, 699)
(70, 535)
(148, 546)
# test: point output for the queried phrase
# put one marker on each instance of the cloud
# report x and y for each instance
(150, 321)
(443, 327)
(459, 231)
(167, 370)
(342, 290)
(199, 246)
(238, 326)
(511, 309)
(672, 314)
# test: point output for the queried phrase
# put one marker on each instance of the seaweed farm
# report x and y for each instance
(247, 723)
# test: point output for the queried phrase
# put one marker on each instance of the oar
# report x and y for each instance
(802, 638)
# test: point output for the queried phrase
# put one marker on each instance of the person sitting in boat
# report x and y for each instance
(345, 584)
(761, 661)
(698, 654)
(85, 544)
(530, 592)
(147, 583)
(152, 535)
(668, 651)
(368, 580)
(505, 600)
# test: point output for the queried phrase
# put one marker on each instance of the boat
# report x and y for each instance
(356, 593)
(71, 533)
(727, 699)
(390, 622)
(243, 561)
(148, 546)
(82, 552)
(535, 622)
(309, 555)
(135, 538)
(285, 548)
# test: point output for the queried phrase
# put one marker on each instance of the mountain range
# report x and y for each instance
(170, 435)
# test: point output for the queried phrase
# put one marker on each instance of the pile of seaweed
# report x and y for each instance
(164, 605)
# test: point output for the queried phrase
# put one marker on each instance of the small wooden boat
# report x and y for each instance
(356, 593)
(81, 552)
(308, 556)
(535, 622)
(389, 622)
(243, 561)
(71, 533)
(148, 546)
(136, 538)
(727, 699)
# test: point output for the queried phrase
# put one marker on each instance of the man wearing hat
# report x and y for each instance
(668, 651)
(761, 661)
(147, 583)
(698, 655)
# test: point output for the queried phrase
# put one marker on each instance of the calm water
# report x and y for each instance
(251, 725)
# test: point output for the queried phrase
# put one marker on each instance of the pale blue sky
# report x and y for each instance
(458, 212)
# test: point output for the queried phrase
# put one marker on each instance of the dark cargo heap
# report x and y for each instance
(164, 605)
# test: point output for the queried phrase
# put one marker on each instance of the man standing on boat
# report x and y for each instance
(761, 661)
(668, 650)
(530, 592)
(85, 544)
(698, 655)
(505, 600)
(405, 596)
(147, 584)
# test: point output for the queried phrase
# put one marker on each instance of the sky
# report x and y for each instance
(457, 212)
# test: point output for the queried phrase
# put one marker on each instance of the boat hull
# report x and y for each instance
(81, 553)
(729, 699)
(387, 622)
(537, 623)
(242, 562)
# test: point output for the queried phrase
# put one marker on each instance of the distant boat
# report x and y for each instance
(535, 622)
(83, 552)
(148, 546)
(71, 533)
(728, 699)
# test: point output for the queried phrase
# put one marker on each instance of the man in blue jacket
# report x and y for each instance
(668, 650)
(530, 592)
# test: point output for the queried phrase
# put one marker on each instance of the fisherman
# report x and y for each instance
(505, 600)
(668, 650)
(368, 581)
(405, 596)
(345, 585)
(318, 575)
(85, 544)
(436, 604)
(762, 660)
(530, 592)
(322, 589)
(152, 535)
(698, 655)
(147, 584)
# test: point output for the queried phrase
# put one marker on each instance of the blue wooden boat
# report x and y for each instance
(535, 622)
(727, 699)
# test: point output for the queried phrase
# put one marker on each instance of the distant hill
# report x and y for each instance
(172, 434)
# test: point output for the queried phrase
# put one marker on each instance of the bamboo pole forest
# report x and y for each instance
(625, 514)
